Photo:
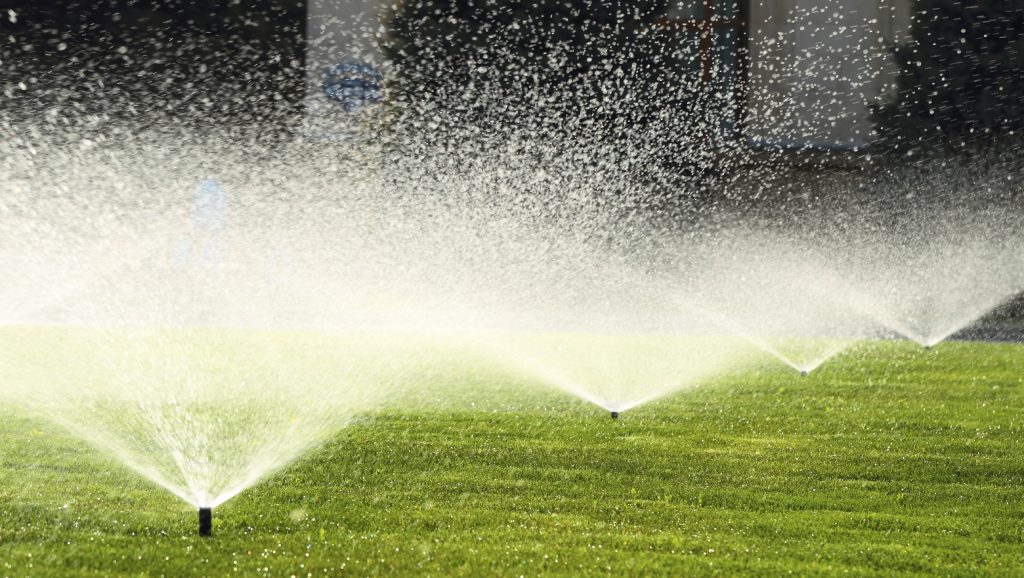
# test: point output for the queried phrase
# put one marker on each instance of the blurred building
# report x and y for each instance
(802, 73)
(825, 62)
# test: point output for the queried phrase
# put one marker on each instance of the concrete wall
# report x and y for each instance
(818, 65)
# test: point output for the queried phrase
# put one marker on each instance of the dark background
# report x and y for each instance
(961, 87)
(241, 59)
(961, 84)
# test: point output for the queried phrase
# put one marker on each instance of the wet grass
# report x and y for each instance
(888, 461)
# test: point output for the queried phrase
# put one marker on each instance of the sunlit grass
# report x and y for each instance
(888, 460)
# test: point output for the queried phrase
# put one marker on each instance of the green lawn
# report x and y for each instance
(890, 460)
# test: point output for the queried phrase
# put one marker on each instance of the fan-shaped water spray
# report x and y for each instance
(942, 286)
(943, 260)
(207, 302)
(191, 355)
(773, 292)
(620, 371)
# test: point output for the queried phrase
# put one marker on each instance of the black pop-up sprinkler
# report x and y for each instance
(615, 415)
(205, 522)
(803, 373)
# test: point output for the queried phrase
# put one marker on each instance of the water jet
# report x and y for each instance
(792, 314)
(617, 371)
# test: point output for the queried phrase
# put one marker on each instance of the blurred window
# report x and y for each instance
(709, 40)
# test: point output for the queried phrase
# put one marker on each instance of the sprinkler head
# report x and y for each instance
(804, 372)
(615, 415)
(205, 522)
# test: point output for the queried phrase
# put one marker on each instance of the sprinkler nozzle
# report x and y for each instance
(205, 522)
(615, 415)
(804, 372)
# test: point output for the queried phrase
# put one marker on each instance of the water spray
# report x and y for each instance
(615, 415)
(205, 522)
